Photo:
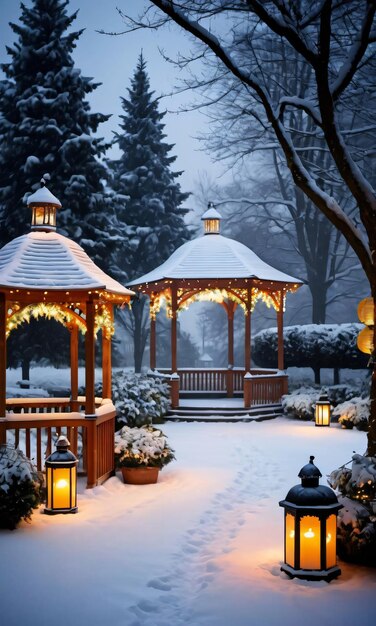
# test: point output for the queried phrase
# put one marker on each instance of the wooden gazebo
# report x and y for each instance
(219, 269)
(43, 274)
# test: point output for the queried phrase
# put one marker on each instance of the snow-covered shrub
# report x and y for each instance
(138, 399)
(140, 447)
(300, 403)
(341, 393)
(357, 520)
(20, 487)
(354, 412)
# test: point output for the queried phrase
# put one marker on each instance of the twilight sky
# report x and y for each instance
(112, 60)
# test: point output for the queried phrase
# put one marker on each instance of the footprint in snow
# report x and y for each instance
(158, 583)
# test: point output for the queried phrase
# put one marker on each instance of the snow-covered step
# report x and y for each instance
(218, 413)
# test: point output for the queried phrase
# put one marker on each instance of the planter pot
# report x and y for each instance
(140, 475)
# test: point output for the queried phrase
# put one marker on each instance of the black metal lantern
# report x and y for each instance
(311, 528)
(61, 479)
(322, 410)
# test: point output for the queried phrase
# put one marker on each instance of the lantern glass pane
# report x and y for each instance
(323, 414)
(290, 539)
(49, 487)
(38, 216)
(61, 488)
(212, 226)
(74, 487)
(310, 549)
(331, 541)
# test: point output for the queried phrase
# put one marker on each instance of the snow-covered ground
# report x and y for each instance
(202, 547)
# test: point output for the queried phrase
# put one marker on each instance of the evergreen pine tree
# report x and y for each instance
(46, 126)
(148, 190)
(143, 175)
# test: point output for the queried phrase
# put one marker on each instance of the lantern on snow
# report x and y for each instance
(322, 410)
(311, 528)
(61, 479)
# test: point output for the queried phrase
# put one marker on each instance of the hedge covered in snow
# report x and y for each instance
(357, 520)
(139, 399)
(311, 345)
(20, 487)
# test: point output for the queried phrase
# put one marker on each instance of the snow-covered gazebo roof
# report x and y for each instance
(48, 261)
(213, 256)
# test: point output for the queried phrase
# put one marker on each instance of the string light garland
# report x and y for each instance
(196, 294)
(66, 314)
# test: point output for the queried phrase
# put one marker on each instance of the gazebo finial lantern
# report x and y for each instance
(43, 205)
(211, 219)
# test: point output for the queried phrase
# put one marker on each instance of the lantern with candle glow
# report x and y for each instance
(61, 479)
(311, 528)
(322, 410)
(43, 206)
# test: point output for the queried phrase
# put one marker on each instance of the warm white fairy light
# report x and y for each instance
(65, 314)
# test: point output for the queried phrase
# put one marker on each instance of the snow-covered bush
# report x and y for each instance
(341, 393)
(357, 520)
(140, 447)
(300, 403)
(354, 412)
(138, 399)
(20, 487)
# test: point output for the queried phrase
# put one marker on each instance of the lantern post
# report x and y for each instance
(311, 528)
(61, 479)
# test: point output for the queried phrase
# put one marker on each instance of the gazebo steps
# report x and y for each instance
(224, 414)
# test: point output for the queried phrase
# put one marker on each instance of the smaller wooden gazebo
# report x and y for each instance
(43, 274)
(219, 269)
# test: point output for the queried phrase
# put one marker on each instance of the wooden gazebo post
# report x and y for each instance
(174, 338)
(230, 308)
(90, 359)
(106, 365)
(74, 365)
(247, 333)
(281, 363)
(3, 364)
(153, 342)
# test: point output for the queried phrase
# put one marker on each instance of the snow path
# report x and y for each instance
(209, 538)
(202, 547)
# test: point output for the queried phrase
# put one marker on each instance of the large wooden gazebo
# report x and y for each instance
(43, 274)
(219, 269)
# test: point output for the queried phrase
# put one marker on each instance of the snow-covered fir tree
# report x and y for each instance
(46, 126)
(148, 192)
(143, 175)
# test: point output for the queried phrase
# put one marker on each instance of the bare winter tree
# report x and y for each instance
(335, 38)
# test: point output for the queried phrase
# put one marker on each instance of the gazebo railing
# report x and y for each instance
(34, 424)
(265, 386)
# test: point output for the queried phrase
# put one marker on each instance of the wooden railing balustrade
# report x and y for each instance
(34, 424)
(266, 386)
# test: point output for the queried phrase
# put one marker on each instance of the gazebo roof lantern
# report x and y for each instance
(43, 205)
(211, 219)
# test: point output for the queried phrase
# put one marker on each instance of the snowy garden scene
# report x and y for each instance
(187, 312)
